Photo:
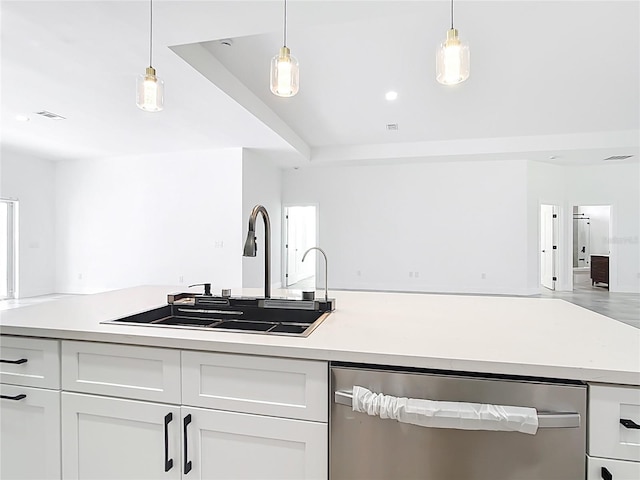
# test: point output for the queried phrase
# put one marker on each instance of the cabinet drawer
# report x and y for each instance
(261, 385)
(610, 408)
(30, 433)
(121, 371)
(32, 362)
(605, 468)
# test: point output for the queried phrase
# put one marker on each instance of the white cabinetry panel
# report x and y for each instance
(111, 438)
(120, 370)
(607, 469)
(230, 445)
(268, 386)
(33, 362)
(29, 433)
(614, 415)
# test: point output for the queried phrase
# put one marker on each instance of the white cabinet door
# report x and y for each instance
(607, 469)
(29, 433)
(111, 438)
(230, 445)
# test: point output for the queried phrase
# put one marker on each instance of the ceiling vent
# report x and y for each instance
(53, 116)
(392, 127)
(618, 157)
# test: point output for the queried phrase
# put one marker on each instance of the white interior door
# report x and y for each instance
(7, 249)
(300, 233)
(548, 245)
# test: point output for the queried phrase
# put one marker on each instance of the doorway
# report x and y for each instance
(591, 246)
(8, 248)
(300, 233)
(548, 245)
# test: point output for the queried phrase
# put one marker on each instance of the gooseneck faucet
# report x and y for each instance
(326, 270)
(250, 247)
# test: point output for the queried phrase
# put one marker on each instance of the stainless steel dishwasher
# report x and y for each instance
(367, 447)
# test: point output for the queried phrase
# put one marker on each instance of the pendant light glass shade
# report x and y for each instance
(284, 74)
(452, 58)
(452, 62)
(150, 91)
(149, 88)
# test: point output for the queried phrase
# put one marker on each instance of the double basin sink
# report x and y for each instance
(236, 314)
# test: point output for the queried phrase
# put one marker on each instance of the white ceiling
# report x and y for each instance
(548, 79)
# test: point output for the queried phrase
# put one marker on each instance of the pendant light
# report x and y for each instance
(452, 59)
(284, 68)
(150, 89)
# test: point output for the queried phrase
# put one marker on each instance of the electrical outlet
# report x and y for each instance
(79, 276)
(483, 276)
(358, 273)
(218, 244)
(181, 279)
(416, 274)
(410, 274)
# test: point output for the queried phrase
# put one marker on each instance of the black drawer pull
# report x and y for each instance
(605, 474)
(168, 462)
(17, 397)
(187, 462)
(628, 423)
(15, 362)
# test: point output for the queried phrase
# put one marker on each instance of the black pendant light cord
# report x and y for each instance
(150, 31)
(284, 40)
(451, 14)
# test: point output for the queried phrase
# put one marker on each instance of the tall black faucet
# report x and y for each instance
(250, 244)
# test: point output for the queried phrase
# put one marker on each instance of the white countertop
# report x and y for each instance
(504, 335)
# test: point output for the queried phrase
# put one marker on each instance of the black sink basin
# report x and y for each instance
(239, 318)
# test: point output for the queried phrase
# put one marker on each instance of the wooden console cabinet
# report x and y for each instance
(599, 269)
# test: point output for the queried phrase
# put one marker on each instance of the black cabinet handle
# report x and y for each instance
(168, 462)
(628, 423)
(15, 362)
(187, 462)
(17, 397)
(605, 474)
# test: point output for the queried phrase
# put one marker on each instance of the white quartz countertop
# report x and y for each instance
(536, 337)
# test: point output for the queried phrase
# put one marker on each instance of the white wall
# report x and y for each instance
(149, 220)
(31, 180)
(434, 227)
(261, 185)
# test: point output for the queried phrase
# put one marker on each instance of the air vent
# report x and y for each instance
(392, 127)
(618, 157)
(53, 116)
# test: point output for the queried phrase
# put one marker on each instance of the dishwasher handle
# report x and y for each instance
(546, 419)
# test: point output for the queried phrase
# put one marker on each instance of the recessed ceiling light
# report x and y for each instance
(22, 118)
(391, 95)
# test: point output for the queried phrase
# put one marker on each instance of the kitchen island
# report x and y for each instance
(277, 386)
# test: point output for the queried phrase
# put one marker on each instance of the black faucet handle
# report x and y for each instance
(207, 287)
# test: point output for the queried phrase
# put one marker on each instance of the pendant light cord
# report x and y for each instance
(284, 40)
(150, 31)
(451, 14)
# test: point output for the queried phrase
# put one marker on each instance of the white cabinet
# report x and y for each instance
(607, 469)
(278, 387)
(114, 438)
(29, 417)
(127, 371)
(614, 432)
(195, 415)
(230, 445)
